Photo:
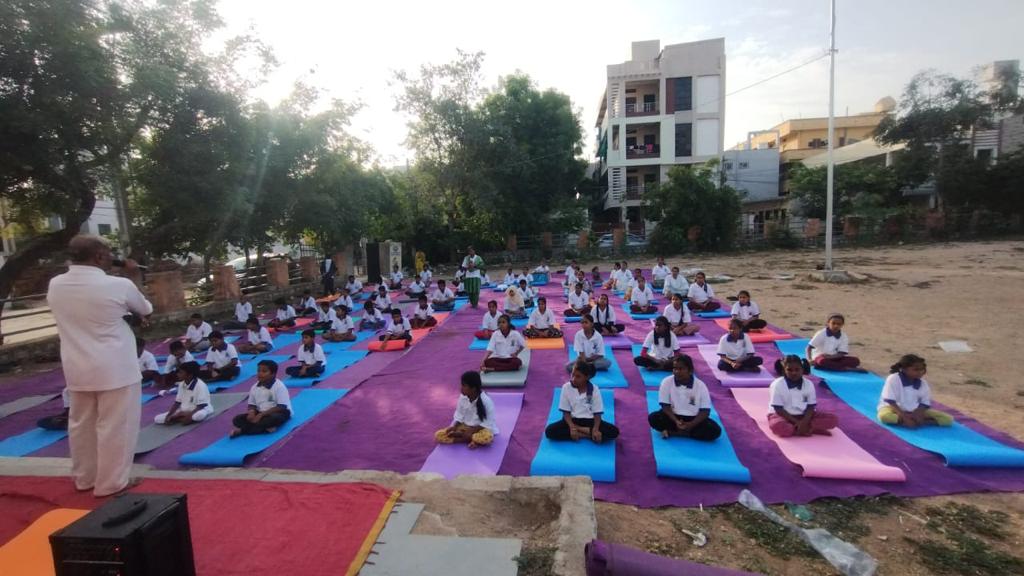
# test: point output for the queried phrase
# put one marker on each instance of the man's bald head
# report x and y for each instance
(88, 249)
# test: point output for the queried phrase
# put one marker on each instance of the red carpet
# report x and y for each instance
(238, 527)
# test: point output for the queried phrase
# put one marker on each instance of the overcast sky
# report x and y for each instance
(351, 49)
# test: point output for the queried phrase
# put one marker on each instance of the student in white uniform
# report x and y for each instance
(422, 314)
(442, 299)
(489, 323)
(197, 335)
(907, 398)
(344, 299)
(579, 301)
(243, 309)
(660, 347)
(542, 322)
(269, 404)
(396, 278)
(503, 349)
(528, 293)
(325, 316)
(525, 275)
(676, 283)
(307, 304)
(613, 278)
(343, 329)
(397, 328)
(543, 268)
(595, 279)
(257, 338)
(678, 315)
(192, 402)
(793, 407)
(474, 422)
(641, 298)
(176, 357)
(222, 361)
(147, 363)
(700, 295)
(581, 279)
(285, 315)
(509, 279)
(381, 300)
(310, 356)
(659, 273)
(416, 288)
(829, 349)
(426, 275)
(736, 352)
(747, 312)
(581, 406)
(372, 318)
(604, 318)
(685, 405)
(354, 286)
(589, 346)
(515, 306)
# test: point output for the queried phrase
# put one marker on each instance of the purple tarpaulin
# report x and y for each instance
(608, 559)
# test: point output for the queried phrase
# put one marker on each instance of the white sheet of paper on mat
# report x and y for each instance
(955, 346)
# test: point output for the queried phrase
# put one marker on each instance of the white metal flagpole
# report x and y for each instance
(830, 171)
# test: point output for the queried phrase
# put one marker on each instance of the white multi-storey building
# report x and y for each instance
(663, 107)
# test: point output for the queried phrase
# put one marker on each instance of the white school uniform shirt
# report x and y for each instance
(172, 362)
(735, 350)
(684, 400)
(325, 316)
(528, 293)
(426, 275)
(416, 287)
(700, 294)
(745, 312)
(658, 350)
(501, 346)
(197, 334)
(397, 277)
(310, 302)
(822, 343)
(593, 346)
(243, 311)
(354, 286)
(465, 412)
(899, 390)
(345, 301)
(264, 398)
(641, 297)
(97, 347)
(422, 313)
(794, 401)
(660, 272)
(578, 300)
(490, 322)
(606, 316)
(541, 320)
(675, 285)
(260, 336)
(438, 296)
(578, 404)
(542, 269)
(382, 302)
(527, 277)
(311, 357)
(570, 271)
(192, 395)
(373, 316)
(343, 325)
(286, 313)
(147, 361)
(510, 280)
(675, 317)
(402, 327)
(221, 358)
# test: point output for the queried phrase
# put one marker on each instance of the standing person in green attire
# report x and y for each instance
(474, 266)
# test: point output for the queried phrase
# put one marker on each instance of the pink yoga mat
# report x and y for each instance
(836, 456)
(760, 379)
(689, 341)
(618, 342)
(451, 460)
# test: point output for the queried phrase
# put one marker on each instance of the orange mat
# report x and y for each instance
(545, 343)
(757, 336)
(28, 553)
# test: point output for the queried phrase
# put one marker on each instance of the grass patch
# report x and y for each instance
(843, 517)
(536, 561)
(776, 540)
(957, 517)
(973, 382)
(965, 555)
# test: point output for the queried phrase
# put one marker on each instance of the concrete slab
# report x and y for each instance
(444, 556)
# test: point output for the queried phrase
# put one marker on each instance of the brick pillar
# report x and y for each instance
(812, 227)
(546, 241)
(851, 226)
(310, 268)
(166, 291)
(510, 243)
(225, 284)
(583, 242)
(277, 272)
(619, 238)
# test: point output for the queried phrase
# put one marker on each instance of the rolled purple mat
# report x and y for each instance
(607, 559)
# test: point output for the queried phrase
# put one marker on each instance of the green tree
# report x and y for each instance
(875, 182)
(691, 198)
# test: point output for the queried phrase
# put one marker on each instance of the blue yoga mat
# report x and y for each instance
(478, 344)
(572, 319)
(581, 458)
(695, 460)
(651, 316)
(332, 347)
(337, 362)
(540, 279)
(247, 371)
(714, 314)
(798, 347)
(610, 378)
(283, 339)
(233, 451)
(650, 377)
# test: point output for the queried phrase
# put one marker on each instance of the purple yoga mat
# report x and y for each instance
(608, 559)
(451, 460)
(618, 342)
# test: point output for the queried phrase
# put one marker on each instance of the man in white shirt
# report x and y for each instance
(98, 354)
(676, 284)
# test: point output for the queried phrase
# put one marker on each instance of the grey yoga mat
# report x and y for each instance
(25, 403)
(513, 379)
(156, 435)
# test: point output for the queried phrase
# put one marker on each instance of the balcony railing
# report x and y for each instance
(641, 108)
(643, 151)
(635, 192)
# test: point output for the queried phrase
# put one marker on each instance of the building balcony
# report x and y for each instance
(642, 109)
(641, 151)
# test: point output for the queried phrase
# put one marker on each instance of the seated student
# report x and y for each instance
(416, 288)
(660, 347)
(581, 278)
(514, 307)
(679, 317)
(426, 274)
(397, 328)
(395, 282)
(906, 397)
(381, 300)
(342, 328)
(509, 279)
(542, 322)
(285, 315)
(525, 275)
(354, 286)
(269, 405)
(685, 405)
(676, 283)
(641, 297)
(634, 279)
(543, 268)
(222, 361)
(147, 363)
(474, 420)
(659, 273)
(604, 318)
(589, 346)
(736, 352)
(747, 312)
(178, 356)
(197, 335)
(344, 299)
(595, 278)
(568, 282)
(625, 277)
(372, 318)
(613, 278)
(582, 407)
(192, 402)
(457, 278)
(422, 314)
(485, 280)
(257, 337)
(503, 349)
(700, 295)
(529, 294)
(792, 411)
(442, 299)
(489, 323)
(325, 316)
(570, 270)
(310, 356)
(829, 349)
(243, 309)
(307, 304)
(59, 421)
(579, 301)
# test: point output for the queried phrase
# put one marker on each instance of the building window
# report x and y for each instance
(683, 94)
(744, 165)
(817, 143)
(103, 229)
(684, 139)
(984, 155)
(727, 166)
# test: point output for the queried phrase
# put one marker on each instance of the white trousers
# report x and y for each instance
(103, 428)
(197, 416)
